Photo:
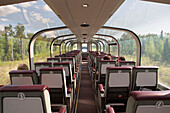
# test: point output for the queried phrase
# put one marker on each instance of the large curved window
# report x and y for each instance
(150, 21)
(75, 46)
(94, 47)
(18, 23)
(126, 42)
(84, 47)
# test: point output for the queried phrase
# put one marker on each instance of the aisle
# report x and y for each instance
(86, 102)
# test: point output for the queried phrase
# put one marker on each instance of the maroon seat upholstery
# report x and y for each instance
(117, 88)
(23, 77)
(145, 78)
(148, 102)
(55, 79)
(39, 65)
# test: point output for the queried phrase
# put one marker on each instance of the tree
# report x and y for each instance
(20, 34)
(8, 32)
(29, 35)
(165, 53)
(161, 36)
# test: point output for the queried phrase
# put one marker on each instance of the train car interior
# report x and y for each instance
(85, 56)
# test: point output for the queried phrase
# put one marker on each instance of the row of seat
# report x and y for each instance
(113, 84)
(139, 76)
(146, 102)
(60, 77)
(35, 99)
(120, 81)
(27, 99)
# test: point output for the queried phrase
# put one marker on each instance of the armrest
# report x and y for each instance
(96, 75)
(76, 69)
(74, 76)
(111, 110)
(93, 69)
(69, 89)
(101, 88)
(62, 110)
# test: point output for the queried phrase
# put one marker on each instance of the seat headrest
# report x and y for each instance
(119, 68)
(52, 69)
(150, 95)
(107, 61)
(41, 63)
(99, 56)
(53, 58)
(67, 58)
(145, 67)
(61, 63)
(127, 62)
(22, 72)
(23, 88)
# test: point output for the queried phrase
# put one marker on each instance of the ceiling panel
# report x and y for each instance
(73, 14)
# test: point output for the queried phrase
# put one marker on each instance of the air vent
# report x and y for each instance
(84, 25)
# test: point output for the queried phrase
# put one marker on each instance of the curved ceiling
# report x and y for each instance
(73, 14)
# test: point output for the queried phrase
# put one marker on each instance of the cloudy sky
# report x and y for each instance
(34, 16)
(140, 16)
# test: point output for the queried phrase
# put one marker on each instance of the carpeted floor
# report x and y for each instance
(86, 102)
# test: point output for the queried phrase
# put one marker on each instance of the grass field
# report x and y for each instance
(163, 72)
(5, 67)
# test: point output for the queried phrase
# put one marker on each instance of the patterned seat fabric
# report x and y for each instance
(23, 77)
(25, 99)
(145, 78)
(148, 102)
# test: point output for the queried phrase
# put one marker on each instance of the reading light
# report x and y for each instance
(85, 5)
(84, 25)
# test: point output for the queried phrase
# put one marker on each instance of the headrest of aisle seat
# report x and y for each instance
(22, 72)
(61, 63)
(43, 63)
(145, 67)
(150, 95)
(107, 61)
(127, 62)
(67, 58)
(52, 69)
(53, 58)
(119, 68)
(23, 88)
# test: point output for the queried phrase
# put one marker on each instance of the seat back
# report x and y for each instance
(103, 64)
(68, 70)
(117, 86)
(148, 102)
(126, 63)
(145, 77)
(25, 99)
(54, 78)
(71, 60)
(23, 77)
(52, 60)
(39, 65)
(97, 61)
(114, 57)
